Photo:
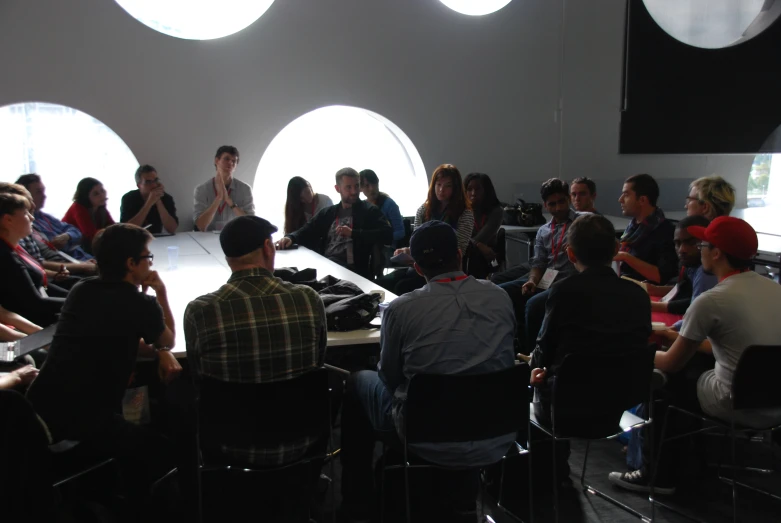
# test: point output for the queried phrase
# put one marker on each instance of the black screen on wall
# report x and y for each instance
(679, 99)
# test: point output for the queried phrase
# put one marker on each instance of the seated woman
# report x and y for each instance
(302, 203)
(446, 202)
(481, 251)
(88, 211)
(24, 287)
(711, 196)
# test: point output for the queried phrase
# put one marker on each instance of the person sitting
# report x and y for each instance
(302, 204)
(80, 388)
(347, 232)
(692, 280)
(62, 236)
(223, 197)
(370, 187)
(710, 196)
(583, 192)
(446, 202)
(481, 252)
(285, 341)
(454, 324)
(550, 258)
(24, 287)
(647, 249)
(739, 312)
(88, 211)
(14, 327)
(593, 310)
(149, 206)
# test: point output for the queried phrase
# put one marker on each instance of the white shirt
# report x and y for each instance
(741, 311)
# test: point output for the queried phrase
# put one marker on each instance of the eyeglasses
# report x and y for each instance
(150, 257)
(702, 245)
(692, 198)
(150, 182)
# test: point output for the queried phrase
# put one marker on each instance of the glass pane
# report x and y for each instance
(64, 145)
(319, 143)
(196, 19)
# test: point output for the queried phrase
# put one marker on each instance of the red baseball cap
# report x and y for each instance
(732, 235)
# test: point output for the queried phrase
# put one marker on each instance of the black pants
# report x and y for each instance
(402, 281)
(680, 391)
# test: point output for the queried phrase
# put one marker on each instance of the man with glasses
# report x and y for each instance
(149, 206)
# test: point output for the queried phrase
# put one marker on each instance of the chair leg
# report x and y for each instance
(734, 475)
(382, 485)
(406, 489)
(555, 481)
(585, 461)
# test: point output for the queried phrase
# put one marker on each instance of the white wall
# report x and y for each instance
(479, 92)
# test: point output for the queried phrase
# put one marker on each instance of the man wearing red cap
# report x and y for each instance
(740, 311)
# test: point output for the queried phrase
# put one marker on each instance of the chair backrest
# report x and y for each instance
(754, 384)
(466, 407)
(592, 391)
(404, 242)
(262, 414)
(501, 246)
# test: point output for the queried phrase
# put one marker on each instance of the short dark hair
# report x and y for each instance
(346, 171)
(369, 176)
(592, 238)
(645, 185)
(83, 188)
(26, 180)
(737, 263)
(142, 170)
(113, 246)
(227, 149)
(553, 186)
(588, 182)
(688, 221)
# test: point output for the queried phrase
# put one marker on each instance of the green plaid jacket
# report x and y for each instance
(257, 329)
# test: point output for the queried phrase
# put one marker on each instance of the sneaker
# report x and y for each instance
(637, 481)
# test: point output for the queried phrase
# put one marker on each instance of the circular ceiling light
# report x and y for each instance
(713, 24)
(196, 19)
(475, 7)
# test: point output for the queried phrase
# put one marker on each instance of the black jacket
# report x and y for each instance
(19, 290)
(594, 311)
(370, 228)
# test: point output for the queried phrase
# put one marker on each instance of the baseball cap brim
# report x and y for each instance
(698, 231)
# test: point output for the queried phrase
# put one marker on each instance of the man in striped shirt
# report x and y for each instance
(256, 328)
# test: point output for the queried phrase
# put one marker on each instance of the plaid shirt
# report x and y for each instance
(257, 329)
(29, 245)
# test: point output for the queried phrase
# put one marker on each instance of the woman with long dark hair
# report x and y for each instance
(88, 211)
(302, 204)
(446, 202)
(487, 210)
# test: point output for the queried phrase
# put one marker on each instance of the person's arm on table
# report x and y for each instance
(167, 216)
(321, 220)
(648, 271)
(14, 320)
(658, 290)
(204, 214)
(168, 367)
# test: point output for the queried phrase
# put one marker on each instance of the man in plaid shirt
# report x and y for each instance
(256, 328)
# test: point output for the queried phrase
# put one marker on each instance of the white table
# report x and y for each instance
(764, 220)
(202, 269)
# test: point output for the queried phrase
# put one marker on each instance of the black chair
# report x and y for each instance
(244, 415)
(754, 387)
(460, 408)
(589, 399)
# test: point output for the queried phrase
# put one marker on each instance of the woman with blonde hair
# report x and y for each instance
(710, 196)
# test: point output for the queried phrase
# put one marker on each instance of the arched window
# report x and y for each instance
(475, 7)
(196, 19)
(64, 145)
(319, 143)
(712, 24)
(764, 181)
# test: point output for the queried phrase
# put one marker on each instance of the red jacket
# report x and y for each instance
(81, 217)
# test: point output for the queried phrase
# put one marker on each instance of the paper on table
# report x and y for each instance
(658, 326)
(670, 295)
(640, 283)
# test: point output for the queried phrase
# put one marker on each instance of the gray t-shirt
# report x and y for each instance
(204, 195)
(739, 312)
(340, 248)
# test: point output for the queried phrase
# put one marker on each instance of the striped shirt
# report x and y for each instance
(257, 329)
(466, 223)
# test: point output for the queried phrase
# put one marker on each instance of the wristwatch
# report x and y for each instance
(163, 349)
